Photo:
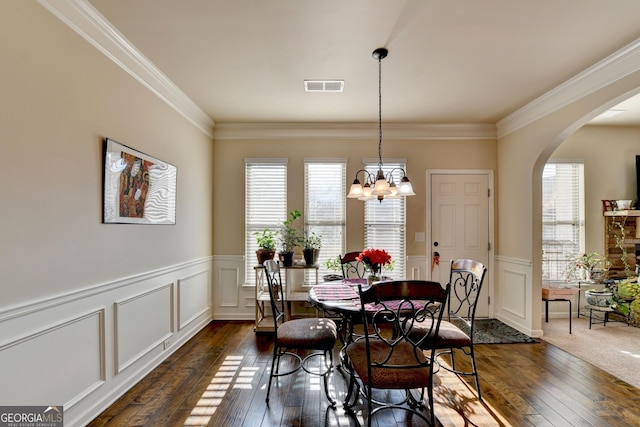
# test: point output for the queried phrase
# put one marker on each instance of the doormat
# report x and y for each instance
(493, 331)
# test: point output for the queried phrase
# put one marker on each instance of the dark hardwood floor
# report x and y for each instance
(219, 378)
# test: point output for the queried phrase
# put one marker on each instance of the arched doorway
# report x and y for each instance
(522, 155)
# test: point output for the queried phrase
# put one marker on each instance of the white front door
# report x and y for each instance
(459, 213)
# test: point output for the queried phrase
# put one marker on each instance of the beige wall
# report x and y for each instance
(60, 98)
(228, 215)
(609, 155)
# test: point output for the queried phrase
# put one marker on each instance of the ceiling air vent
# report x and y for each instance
(323, 85)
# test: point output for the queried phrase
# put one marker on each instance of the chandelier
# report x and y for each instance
(381, 185)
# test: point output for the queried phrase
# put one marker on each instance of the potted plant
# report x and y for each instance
(586, 267)
(626, 299)
(311, 244)
(289, 238)
(599, 297)
(334, 264)
(266, 240)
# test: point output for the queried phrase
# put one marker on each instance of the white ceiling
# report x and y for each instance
(450, 62)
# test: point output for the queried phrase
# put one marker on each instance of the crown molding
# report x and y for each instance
(611, 69)
(417, 131)
(85, 20)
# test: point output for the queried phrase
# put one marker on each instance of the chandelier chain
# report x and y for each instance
(380, 113)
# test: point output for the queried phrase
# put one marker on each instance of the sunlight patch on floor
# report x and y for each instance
(628, 353)
(229, 375)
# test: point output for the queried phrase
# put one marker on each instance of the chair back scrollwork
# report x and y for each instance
(351, 267)
(276, 291)
(466, 279)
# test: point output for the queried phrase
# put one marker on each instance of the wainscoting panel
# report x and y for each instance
(194, 297)
(142, 323)
(54, 361)
(513, 294)
(84, 349)
(233, 300)
(228, 294)
(417, 268)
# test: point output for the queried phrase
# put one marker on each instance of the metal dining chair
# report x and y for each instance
(386, 358)
(456, 331)
(316, 334)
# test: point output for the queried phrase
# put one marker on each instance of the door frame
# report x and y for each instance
(491, 215)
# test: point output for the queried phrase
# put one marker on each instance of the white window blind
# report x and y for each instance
(265, 204)
(325, 206)
(385, 223)
(562, 217)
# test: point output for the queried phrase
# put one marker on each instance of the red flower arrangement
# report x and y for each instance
(374, 259)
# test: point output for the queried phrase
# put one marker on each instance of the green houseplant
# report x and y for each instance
(584, 266)
(289, 238)
(266, 240)
(617, 229)
(334, 264)
(311, 244)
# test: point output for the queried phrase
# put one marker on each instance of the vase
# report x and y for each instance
(372, 278)
(374, 275)
(311, 256)
(287, 258)
(264, 254)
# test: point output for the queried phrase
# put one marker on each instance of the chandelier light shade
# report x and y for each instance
(381, 185)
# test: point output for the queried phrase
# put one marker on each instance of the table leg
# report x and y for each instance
(569, 316)
(546, 311)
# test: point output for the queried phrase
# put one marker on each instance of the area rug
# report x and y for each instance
(493, 331)
(614, 348)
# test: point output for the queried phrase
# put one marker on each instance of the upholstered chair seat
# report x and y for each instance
(385, 376)
(308, 334)
(449, 335)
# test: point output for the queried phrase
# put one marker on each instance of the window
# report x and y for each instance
(384, 223)
(325, 206)
(562, 217)
(265, 204)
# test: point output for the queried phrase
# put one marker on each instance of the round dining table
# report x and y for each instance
(341, 299)
(336, 297)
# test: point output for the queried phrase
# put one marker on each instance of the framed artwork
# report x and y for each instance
(138, 188)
